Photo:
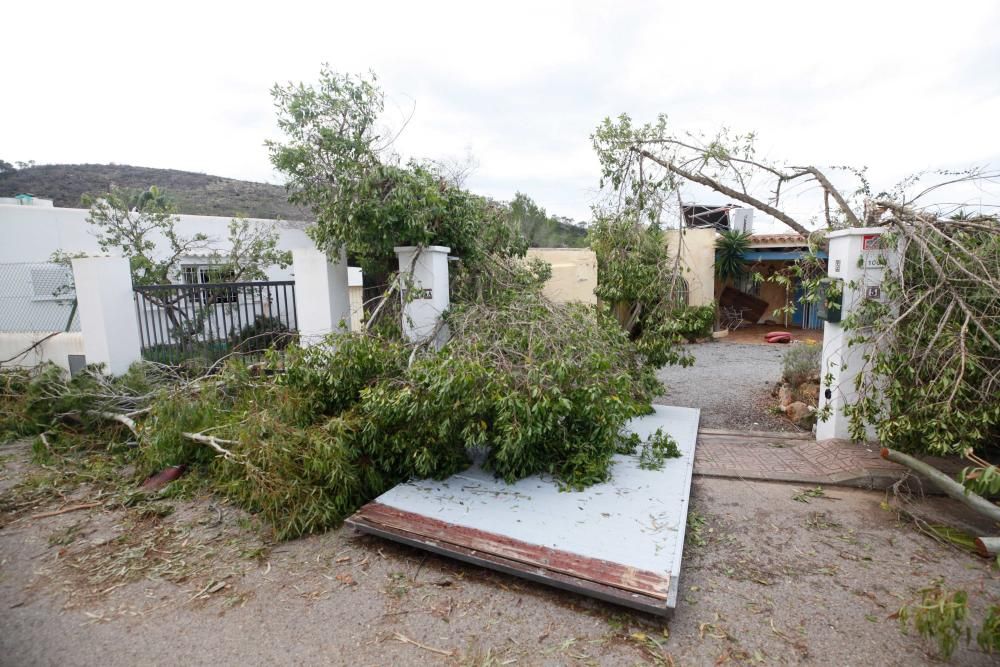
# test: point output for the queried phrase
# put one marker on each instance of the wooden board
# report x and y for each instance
(754, 308)
(619, 541)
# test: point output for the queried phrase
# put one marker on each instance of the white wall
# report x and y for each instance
(55, 349)
(33, 233)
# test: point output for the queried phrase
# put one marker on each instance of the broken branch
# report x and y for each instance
(65, 510)
(951, 488)
(406, 640)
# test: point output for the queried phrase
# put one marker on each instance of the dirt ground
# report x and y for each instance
(731, 383)
(766, 579)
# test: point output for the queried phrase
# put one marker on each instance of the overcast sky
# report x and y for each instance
(897, 86)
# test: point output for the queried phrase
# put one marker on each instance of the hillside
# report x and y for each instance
(197, 194)
(202, 194)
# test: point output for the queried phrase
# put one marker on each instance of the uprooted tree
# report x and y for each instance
(931, 379)
(313, 433)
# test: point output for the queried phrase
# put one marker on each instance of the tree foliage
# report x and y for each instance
(730, 254)
(643, 285)
(646, 166)
(142, 226)
(542, 230)
(931, 373)
(340, 165)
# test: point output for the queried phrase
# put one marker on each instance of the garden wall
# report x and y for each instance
(574, 273)
(55, 349)
(697, 249)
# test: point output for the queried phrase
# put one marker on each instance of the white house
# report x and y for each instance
(36, 295)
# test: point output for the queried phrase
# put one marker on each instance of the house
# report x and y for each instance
(37, 295)
(770, 255)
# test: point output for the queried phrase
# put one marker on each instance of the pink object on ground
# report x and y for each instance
(778, 337)
(162, 478)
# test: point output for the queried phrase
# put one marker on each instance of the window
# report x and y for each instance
(210, 274)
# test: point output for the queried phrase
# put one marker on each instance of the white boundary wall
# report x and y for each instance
(55, 349)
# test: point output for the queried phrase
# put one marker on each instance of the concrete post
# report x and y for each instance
(854, 259)
(107, 312)
(322, 304)
(427, 270)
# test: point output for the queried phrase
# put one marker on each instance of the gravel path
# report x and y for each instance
(731, 383)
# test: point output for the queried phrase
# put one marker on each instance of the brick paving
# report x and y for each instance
(789, 457)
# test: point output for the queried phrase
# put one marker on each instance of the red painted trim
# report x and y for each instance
(590, 569)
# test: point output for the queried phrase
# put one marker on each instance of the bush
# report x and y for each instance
(539, 387)
(262, 334)
(802, 363)
(693, 323)
(542, 388)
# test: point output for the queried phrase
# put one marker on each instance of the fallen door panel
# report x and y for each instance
(620, 540)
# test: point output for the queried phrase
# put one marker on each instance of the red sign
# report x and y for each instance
(870, 242)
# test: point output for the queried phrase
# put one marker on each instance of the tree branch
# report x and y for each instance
(723, 189)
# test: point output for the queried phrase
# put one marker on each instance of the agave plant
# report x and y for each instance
(730, 250)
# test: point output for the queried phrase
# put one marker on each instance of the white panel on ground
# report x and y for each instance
(635, 522)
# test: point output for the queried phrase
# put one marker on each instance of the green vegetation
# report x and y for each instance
(131, 221)
(932, 375)
(307, 437)
(645, 290)
(801, 363)
(730, 254)
(543, 230)
(940, 616)
(335, 426)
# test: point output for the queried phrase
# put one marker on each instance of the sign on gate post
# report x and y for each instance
(857, 260)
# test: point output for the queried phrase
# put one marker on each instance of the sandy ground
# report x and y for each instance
(731, 383)
(766, 579)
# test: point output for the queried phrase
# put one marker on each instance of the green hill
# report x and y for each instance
(193, 193)
(202, 194)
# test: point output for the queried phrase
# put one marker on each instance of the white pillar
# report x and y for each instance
(428, 278)
(107, 312)
(322, 304)
(854, 259)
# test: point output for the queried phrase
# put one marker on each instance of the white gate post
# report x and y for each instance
(322, 304)
(427, 272)
(855, 259)
(107, 312)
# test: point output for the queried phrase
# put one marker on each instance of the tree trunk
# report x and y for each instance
(951, 488)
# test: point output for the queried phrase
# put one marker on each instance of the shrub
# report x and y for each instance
(262, 334)
(541, 388)
(802, 363)
(693, 322)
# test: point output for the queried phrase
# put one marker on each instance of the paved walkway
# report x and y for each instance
(790, 457)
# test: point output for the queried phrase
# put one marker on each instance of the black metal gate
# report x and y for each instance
(213, 320)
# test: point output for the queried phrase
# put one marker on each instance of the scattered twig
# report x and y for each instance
(71, 508)
(406, 640)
